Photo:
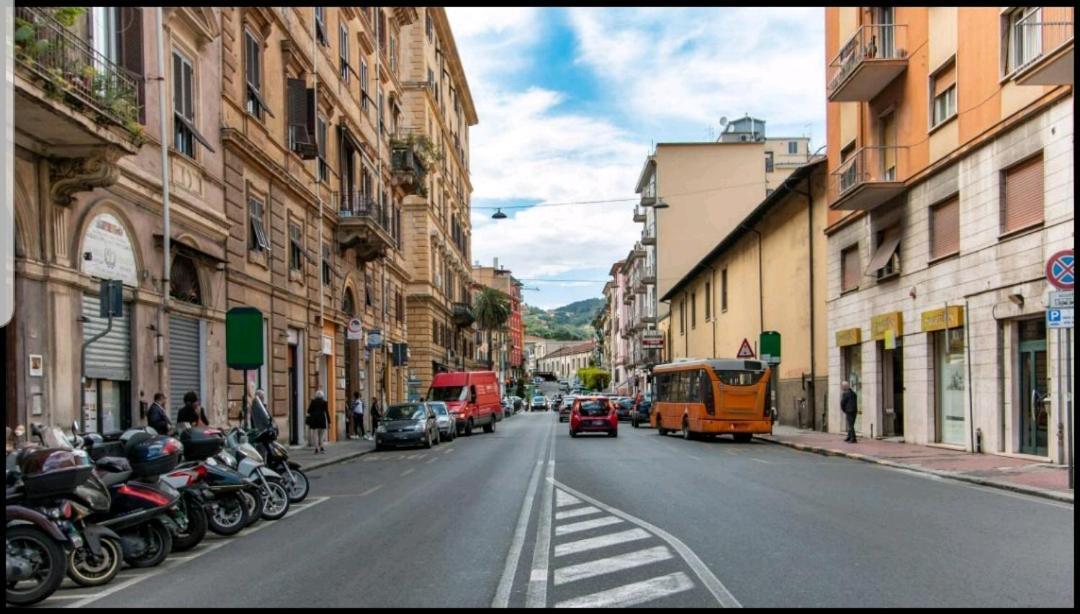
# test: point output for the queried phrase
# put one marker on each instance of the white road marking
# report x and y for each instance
(430, 460)
(717, 588)
(371, 458)
(371, 490)
(612, 564)
(632, 594)
(760, 460)
(536, 593)
(580, 511)
(506, 583)
(408, 471)
(564, 499)
(585, 525)
(414, 456)
(603, 541)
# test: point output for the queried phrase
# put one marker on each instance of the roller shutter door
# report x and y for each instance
(110, 356)
(184, 361)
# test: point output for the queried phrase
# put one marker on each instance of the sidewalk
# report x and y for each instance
(336, 452)
(1016, 474)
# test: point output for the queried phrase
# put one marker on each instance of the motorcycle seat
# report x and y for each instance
(111, 479)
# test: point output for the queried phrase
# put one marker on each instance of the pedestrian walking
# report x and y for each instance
(156, 416)
(318, 419)
(849, 405)
(376, 413)
(358, 416)
(192, 412)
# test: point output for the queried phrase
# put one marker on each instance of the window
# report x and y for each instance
(1021, 38)
(363, 85)
(300, 108)
(324, 168)
(256, 104)
(367, 288)
(185, 134)
(257, 240)
(320, 25)
(379, 110)
(682, 317)
(693, 310)
(723, 290)
(343, 53)
(885, 262)
(793, 147)
(768, 161)
(393, 54)
(429, 25)
(943, 89)
(849, 268)
(296, 247)
(708, 300)
(945, 228)
(1022, 195)
(327, 271)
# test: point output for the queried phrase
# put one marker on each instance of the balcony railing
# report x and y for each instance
(70, 66)
(648, 273)
(462, 314)
(407, 161)
(639, 214)
(648, 236)
(363, 223)
(867, 62)
(870, 177)
(1041, 46)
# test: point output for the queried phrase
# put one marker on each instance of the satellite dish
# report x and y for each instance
(723, 121)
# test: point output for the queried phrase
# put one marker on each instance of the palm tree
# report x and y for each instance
(492, 309)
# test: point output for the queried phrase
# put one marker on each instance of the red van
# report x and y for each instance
(471, 396)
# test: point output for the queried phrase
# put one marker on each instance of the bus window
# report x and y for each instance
(739, 378)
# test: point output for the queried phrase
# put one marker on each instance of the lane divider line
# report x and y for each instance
(536, 593)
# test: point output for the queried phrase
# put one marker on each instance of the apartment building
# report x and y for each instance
(88, 198)
(541, 347)
(767, 274)
(950, 160)
(565, 362)
(438, 111)
(508, 344)
(782, 154)
(614, 291)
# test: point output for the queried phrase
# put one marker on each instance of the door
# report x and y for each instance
(294, 404)
(185, 358)
(892, 392)
(884, 19)
(1034, 405)
(887, 139)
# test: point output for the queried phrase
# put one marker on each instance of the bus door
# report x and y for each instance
(742, 396)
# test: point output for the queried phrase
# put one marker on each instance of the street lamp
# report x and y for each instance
(499, 215)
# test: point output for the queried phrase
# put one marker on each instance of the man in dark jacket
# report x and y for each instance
(192, 412)
(849, 405)
(156, 416)
(318, 420)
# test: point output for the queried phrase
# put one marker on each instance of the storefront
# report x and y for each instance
(1033, 385)
(887, 331)
(185, 361)
(945, 327)
(850, 343)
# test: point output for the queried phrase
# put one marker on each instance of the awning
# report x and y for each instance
(188, 250)
(884, 251)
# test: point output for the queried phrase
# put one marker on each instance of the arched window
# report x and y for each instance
(348, 303)
(184, 281)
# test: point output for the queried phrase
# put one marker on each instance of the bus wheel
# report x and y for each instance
(686, 429)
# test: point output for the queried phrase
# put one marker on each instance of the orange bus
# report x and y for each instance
(710, 397)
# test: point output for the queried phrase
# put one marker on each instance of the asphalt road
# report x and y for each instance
(528, 517)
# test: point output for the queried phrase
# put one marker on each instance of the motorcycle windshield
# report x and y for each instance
(53, 437)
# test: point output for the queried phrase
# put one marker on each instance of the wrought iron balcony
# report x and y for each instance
(648, 274)
(871, 177)
(407, 164)
(363, 224)
(462, 314)
(1041, 46)
(870, 60)
(648, 237)
(639, 214)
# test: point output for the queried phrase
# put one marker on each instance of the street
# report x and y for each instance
(493, 520)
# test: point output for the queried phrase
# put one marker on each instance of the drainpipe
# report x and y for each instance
(712, 305)
(166, 242)
(810, 253)
(761, 290)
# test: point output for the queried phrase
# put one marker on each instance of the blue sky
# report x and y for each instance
(570, 101)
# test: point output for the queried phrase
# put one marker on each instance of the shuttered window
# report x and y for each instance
(943, 86)
(849, 268)
(945, 228)
(1022, 195)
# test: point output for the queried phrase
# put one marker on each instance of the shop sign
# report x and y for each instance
(652, 339)
(107, 252)
(327, 345)
(941, 319)
(1059, 318)
(879, 324)
(848, 336)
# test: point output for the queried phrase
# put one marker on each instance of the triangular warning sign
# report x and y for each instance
(745, 351)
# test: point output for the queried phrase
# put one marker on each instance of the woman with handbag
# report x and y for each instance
(318, 420)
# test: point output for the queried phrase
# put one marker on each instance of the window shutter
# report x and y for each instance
(1023, 195)
(945, 229)
(178, 84)
(131, 50)
(945, 79)
(850, 265)
(309, 115)
(297, 103)
(189, 92)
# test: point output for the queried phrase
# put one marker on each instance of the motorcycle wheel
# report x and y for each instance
(47, 558)
(85, 569)
(298, 487)
(196, 525)
(159, 541)
(228, 516)
(275, 502)
(253, 500)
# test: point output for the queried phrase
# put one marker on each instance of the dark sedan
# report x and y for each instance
(624, 407)
(407, 424)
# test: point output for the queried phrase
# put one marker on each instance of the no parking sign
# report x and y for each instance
(1060, 271)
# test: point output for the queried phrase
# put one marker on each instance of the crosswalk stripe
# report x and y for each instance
(632, 594)
(580, 511)
(563, 499)
(612, 564)
(586, 525)
(592, 543)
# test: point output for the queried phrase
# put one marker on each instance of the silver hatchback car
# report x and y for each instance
(443, 420)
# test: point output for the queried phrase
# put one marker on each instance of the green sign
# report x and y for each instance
(244, 338)
(770, 346)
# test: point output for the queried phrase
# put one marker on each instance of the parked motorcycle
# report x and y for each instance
(277, 459)
(221, 486)
(250, 464)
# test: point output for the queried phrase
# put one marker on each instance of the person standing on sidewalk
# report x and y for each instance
(318, 420)
(358, 416)
(376, 413)
(850, 406)
(156, 416)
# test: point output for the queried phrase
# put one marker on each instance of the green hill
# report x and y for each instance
(573, 321)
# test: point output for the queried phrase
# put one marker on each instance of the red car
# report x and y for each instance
(593, 415)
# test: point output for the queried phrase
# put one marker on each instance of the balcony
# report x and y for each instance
(871, 177)
(68, 95)
(648, 236)
(363, 224)
(409, 170)
(870, 60)
(1041, 47)
(648, 274)
(462, 315)
(639, 215)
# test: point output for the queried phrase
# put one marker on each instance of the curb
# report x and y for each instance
(1027, 490)
(328, 462)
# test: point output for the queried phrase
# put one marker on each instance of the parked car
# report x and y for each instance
(642, 409)
(471, 396)
(539, 403)
(623, 407)
(443, 420)
(407, 424)
(593, 414)
(564, 407)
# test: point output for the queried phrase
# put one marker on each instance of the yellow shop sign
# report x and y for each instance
(940, 319)
(848, 336)
(893, 321)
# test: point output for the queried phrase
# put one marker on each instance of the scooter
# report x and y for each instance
(216, 487)
(275, 498)
(277, 459)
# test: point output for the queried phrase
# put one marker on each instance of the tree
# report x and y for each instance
(593, 378)
(492, 309)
